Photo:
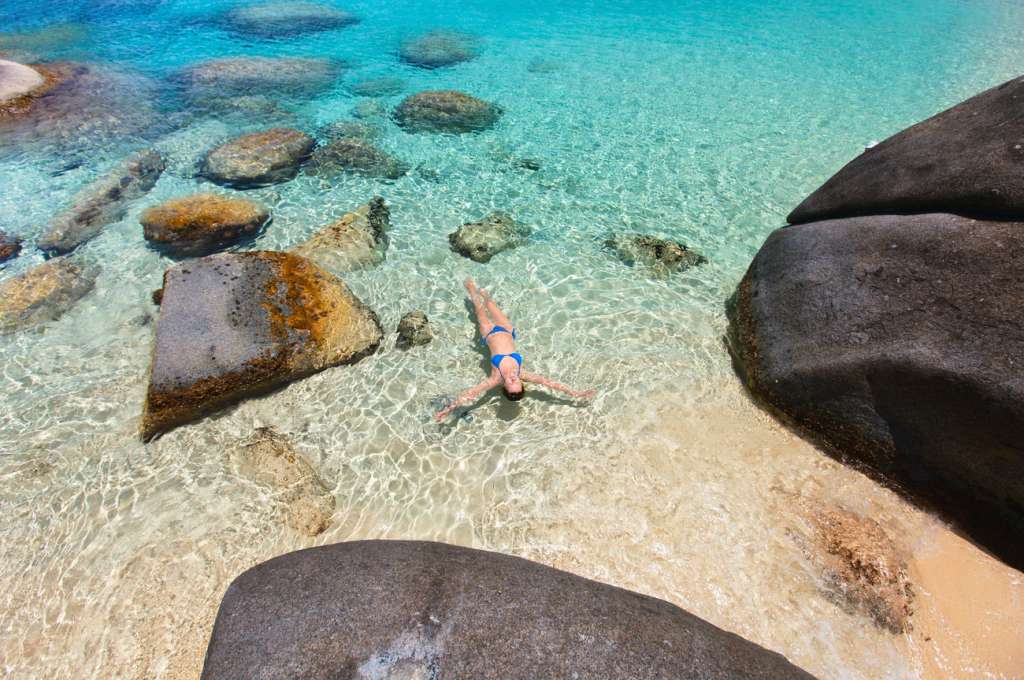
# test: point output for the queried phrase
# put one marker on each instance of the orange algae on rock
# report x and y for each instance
(235, 325)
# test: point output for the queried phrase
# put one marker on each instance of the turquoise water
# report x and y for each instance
(705, 122)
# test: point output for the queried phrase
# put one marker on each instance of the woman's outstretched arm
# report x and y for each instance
(541, 380)
(469, 396)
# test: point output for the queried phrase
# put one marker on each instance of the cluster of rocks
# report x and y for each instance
(886, 322)
(408, 609)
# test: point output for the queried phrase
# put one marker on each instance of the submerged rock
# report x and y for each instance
(411, 609)
(445, 111)
(102, 202)
(268, 458)
(368, 109)
(10, 246)
(43, 293)
(359, 239)
(377, 87)
(286, 18)
(349, 129)
(967, 160)
(234, 76)
(480, 241)
(357, 156)
(202, 223)
(896, 341)
(258, 158)
(862, 569)
(438, 49)
(414, 330)
(661, 255)
(233, 325)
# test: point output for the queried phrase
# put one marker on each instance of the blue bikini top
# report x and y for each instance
(496, 359)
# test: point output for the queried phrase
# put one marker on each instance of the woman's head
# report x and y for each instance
(512, 383)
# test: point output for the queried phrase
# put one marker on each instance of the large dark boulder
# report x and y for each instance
(239, 324)
(409, 609)
(101, 202)
(967, 160)
(898, 342)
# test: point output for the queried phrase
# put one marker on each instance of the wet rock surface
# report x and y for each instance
(438, 49)
(862, 569)
(268, 458)
(18, 80)
(10, 246)
(258, 158)
(257, 76)
(480, 241)
(896, 341)
(408, 609)
(287, 19)
(663, 256)
(445, 111)
(202, 223)
(967, 160)
(44, 293)
(353, 155)
(359, 239)
(233, 325)
(414, 330)
(102, 202)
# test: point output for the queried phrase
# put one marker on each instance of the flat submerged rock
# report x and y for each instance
(238, 324)
(410, 609)
(445, 111)
(258, 158)
(44, 293)
(202, 223)
(288, 18)
(358, 240)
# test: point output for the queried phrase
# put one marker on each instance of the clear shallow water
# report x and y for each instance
(705, 122)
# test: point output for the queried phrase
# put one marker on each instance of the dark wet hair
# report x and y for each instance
(513, 396)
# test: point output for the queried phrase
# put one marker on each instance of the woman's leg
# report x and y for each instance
(482, 319)
(497, 316)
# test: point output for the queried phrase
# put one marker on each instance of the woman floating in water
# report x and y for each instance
(499, 335)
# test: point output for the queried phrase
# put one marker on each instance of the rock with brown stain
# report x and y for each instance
(18, 80)
(103, 201)
(43, 293)
(862, 569)
(234, 325)
(10, 246)
(258, 158)
(359, 239)
(268, 458)
(446, 111)
(203, 223)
